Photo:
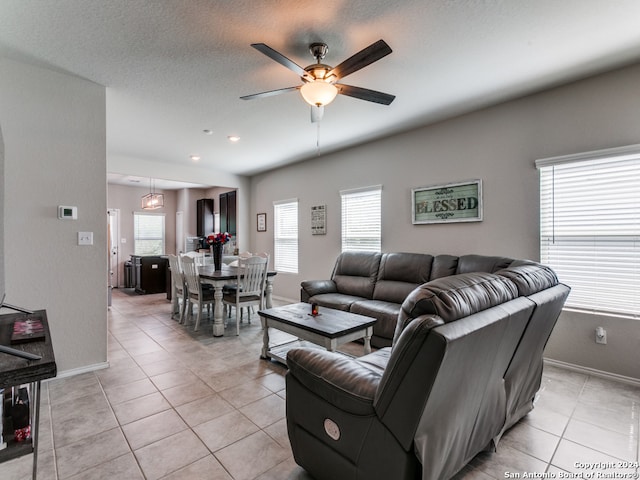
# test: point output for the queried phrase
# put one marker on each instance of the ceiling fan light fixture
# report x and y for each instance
(318, 92)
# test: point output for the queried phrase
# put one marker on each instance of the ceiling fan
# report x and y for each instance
(320, 85)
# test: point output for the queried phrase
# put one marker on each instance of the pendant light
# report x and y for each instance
(152, 200)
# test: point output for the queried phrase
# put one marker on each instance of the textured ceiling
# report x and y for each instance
(174, 68)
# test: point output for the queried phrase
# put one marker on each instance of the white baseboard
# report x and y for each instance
(593, 372)
(77, 371)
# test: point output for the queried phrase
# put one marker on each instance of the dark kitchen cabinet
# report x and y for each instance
(204, 214)
(228, 212)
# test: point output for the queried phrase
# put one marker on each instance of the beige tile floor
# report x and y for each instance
(176, 404)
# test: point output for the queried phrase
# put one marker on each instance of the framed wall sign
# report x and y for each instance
(319, 220)
(262, 222)
(453, 202)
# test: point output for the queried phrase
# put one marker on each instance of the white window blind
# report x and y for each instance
(148, 232)
(590, 227)
(285, 236)
(361, 219)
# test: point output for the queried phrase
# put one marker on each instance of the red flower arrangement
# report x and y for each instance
(218, 238)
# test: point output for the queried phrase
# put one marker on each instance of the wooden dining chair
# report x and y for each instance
(196, 293)
(250, 286)
(179, 288)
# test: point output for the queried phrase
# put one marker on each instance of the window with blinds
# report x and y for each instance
(148, 234)
(590, 227)
(361, 219)
(285, 236)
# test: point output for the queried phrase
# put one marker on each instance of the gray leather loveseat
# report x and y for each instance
(464, 366)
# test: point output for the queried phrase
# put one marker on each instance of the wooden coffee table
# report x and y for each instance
(330, 329)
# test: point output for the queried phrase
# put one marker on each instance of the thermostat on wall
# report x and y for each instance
(67, 213)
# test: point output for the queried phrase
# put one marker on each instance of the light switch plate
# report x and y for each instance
(85, 238)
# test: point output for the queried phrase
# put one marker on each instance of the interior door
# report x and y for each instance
(114, 252)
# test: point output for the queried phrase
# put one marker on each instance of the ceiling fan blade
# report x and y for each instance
(270, 93)
(365, 94)
(364, 57)
(281, 59)
(317, 112)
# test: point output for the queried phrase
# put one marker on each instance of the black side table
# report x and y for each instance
(16, 371)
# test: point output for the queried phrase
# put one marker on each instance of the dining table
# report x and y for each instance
(219, 278)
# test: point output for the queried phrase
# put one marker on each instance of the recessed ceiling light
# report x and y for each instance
(208, 132)
(195, 158)
(233, 138)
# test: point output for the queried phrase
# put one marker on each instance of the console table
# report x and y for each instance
(17, 371)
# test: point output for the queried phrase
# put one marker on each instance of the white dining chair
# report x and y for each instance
(231, 287)
(179, 288)
(195, 291)
(250, 286)
(197, 256)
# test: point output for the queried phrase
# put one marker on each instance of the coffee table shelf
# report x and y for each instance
(279, 352)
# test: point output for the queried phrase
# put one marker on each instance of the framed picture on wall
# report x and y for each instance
(319, 220)
(453, 202)
(262, 222)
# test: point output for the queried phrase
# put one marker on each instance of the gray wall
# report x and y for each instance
(498, 145)
(2, 191)
(54, 154)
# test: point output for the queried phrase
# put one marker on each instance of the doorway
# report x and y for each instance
(113, 226)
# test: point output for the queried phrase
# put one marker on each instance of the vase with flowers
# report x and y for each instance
(216, 242)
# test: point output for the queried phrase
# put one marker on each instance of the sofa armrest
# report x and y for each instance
(340, 380)
(317, 287)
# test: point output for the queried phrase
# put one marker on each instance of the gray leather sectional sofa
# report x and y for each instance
(464, 365)
(376, 284)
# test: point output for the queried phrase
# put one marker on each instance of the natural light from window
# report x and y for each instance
(148, 233)
(361, 219)
(285, 236)
(590, 227)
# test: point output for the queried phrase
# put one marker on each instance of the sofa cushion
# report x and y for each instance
(316, 287)
(376, 360)
(355, 273)
(443, 266)
(399, 274)
(455, 297)
(482, 263)
(529, 277)
(340, 380)
(338, 301)
(385, 312)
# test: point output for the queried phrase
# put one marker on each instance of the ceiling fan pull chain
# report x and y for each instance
(317, 139)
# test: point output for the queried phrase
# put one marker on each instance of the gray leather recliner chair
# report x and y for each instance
(426, 406)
